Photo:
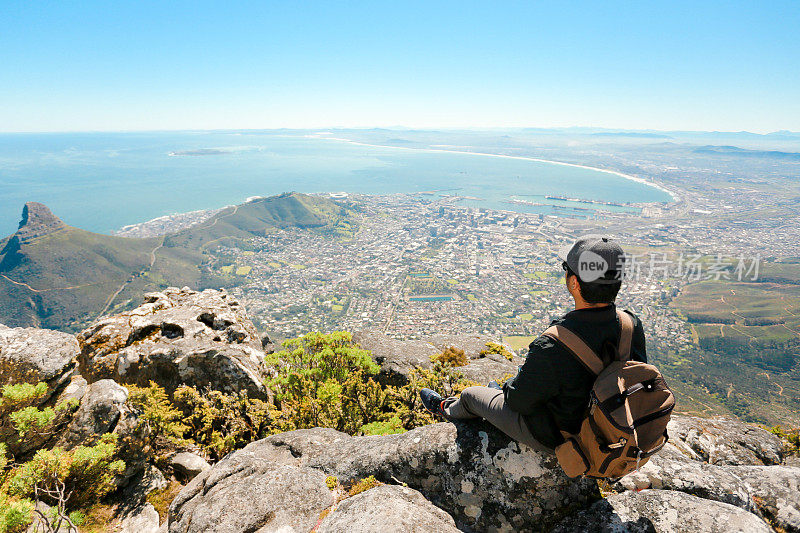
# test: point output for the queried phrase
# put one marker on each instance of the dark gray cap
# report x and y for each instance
(595, 259)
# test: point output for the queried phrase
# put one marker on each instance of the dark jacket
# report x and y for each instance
(551, 389)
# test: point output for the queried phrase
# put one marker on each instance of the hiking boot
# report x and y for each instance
(432, 402)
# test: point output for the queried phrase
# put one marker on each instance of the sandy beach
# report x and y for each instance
(644, 181)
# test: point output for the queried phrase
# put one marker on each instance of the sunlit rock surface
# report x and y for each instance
(483, 479)
(177, 337)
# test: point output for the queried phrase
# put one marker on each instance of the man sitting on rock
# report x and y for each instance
(550, 393)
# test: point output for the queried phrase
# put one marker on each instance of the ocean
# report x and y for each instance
(103, 181)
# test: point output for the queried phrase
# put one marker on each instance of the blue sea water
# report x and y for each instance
(103, 181)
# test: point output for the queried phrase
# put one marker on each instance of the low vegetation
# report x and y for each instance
(451, 356)
(363, 485)
(494, 348)
(342, 493)
(316, 380)
(54, 485)
(161, 498)
(790, 436)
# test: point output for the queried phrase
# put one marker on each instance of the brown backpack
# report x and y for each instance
(629, 407)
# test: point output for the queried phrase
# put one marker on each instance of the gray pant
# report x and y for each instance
(488, 403)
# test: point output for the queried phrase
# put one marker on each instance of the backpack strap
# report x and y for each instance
(625, 335)
(575, 344)
(584, 353)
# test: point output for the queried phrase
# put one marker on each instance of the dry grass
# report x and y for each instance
(363, 484)
(98, 519)
(161, 498)
(452, 356)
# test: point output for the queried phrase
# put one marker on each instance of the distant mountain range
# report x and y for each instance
(56, 276)
(744, 152)
(583, 130)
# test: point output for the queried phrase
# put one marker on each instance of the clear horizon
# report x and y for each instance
(663, 66)
(400, 128)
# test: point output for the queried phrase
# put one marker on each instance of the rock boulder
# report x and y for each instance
(739, 477)
(104, 409)
(776, 492)
(399, 357)
(248, 493)
(483, 479)
(186, 465)
(30, 355)
(727, 441)
(651, 511)
(388, 509)
(670, 470)
(142, 520)
(178, 336)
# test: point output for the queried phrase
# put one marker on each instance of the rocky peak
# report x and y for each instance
(37, 220)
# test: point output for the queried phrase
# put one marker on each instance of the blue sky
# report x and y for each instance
(92, 65)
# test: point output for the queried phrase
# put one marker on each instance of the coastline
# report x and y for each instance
(673, 195)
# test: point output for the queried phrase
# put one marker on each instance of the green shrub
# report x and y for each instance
(3, 458)
(213, 421)
(32, 419)
(94, 519)
(220, 423)
(77, 517)
(65, 480)
(82, 475)
(318, 380)
(163, 420)
(494, 348)
(17, 408)
(325, 380)
(15, 514)
(790, 436)
(323, 356)
(13, 397)
(387, 427)
(331, 482)
(404, 402)
(451, 356)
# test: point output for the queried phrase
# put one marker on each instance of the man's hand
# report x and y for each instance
(494, 385)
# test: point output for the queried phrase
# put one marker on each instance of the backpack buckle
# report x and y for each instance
(622, 442)
(592, 404)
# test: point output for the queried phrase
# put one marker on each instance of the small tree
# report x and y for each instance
(325, 380)
(67, 480)
(64, 480)
(165, 429)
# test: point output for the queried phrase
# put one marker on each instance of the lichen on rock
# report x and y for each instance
(512, 488)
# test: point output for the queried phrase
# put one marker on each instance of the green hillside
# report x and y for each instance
(747, 345)
(56, 276)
